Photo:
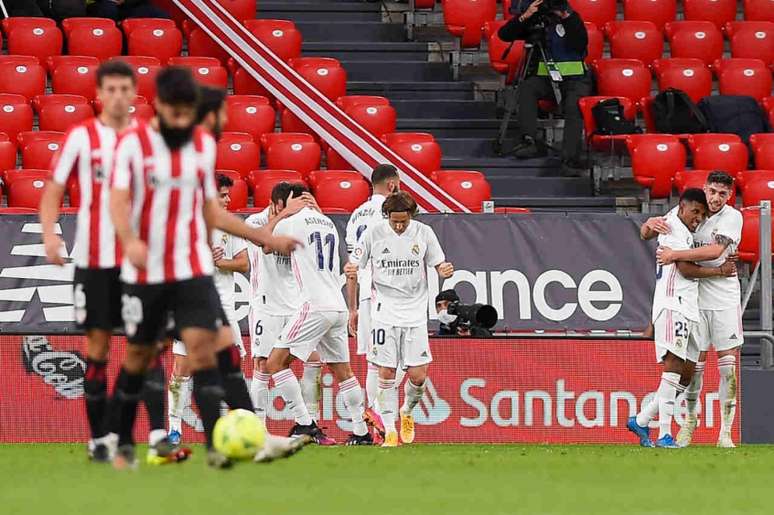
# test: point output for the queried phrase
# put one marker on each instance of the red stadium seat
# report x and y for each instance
(26, 189)
(281, 36)
(302, 157)
(597, 12)
(7, 155)
(291, 123)
(46, 100)
(142, 111)
(754, 175)
(596, 43)
(689, 75)
(271, 138)
(719, 152)
(749, 77)
(55, 60)
(75, 76)
(263, 181)
(26, 137)
(497, 48)
(465, 19)
(657, 11)
(15, 115)
(323, 73)
(758, 10)
(623, 78)
(348, 101)
(599, 141)
(161, 43)
(317, 176)
(656, 158)
(241, 10)
(635, 40)
(145, 73)
(407, 137)
(685, 179)
(235, 137)
(201, 44)
(242, 157)
(24, 60)
(70, 24)
(245, 84)
(425, 156)
(238, 192)
(102, 43)
(749, 247)
(757, 189)
(251, 114)
(345, 194)
(470, 188)
(216, 76)
(763, 147)
(8, 24)
(130, 24)
(41, 41)
(62, 116)
(752, 39)
(334, 160)
(39, 152)
(189, 61)
(378, 120)
(717, 11)
(696, 39)
(20, 79)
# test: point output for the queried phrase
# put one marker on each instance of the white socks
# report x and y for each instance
(372, 387)
(179, 398)
(413, 394)
(288, 386)
(388, 402)
(668, 391)
(259, 392)
(310, 388)
(353, 399)
(693, 391)
(727, 393)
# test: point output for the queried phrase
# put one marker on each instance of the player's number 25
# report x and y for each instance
(319, 241)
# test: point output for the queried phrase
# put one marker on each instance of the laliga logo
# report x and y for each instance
(61, 369)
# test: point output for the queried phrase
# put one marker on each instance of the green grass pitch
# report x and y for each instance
(420, 479)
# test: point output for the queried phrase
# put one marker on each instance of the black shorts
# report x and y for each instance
(97, 298)
(150, 309)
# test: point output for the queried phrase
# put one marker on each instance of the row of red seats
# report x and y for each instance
(467, 18)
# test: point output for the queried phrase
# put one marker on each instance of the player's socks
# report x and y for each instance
(372, 387)
(236, 394)
(126, 396)
(727, 393)
(179, 397)
(209, 393)
(259, 391)
(153, 395)
(648, 412)
(352, 394)
(413, 394)
(290, 390)
(693, 391)
(388, 402)
(668, 391)
(310, 388)
(400, 374)
(95, 394)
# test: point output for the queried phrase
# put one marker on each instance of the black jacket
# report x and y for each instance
(577, 37)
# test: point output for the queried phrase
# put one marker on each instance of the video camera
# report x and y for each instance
(474, 315)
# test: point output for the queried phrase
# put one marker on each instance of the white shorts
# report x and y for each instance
(178, 347)
(676, 334)
(364, 327)
(720, 329)
(265, 330)
(324, 331)
(399, 346)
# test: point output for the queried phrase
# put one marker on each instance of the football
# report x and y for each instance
(239, 434)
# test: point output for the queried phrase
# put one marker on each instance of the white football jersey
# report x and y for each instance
(316, 265)
(273, 287)
(399, 264)
(224, 279)
(673, 291)
(368, 214)
(720, 293)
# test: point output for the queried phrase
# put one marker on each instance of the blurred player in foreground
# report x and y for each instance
(385, 180)
(320, 323)
(87, 153)
(720, 309)
(398, 251)
(163, 201)
(675, 318)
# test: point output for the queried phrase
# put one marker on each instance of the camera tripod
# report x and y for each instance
(511, 93)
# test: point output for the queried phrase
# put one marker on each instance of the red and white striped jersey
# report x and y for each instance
(168, 190)
(88, 153)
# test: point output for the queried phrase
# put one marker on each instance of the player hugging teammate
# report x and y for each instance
(689, 315)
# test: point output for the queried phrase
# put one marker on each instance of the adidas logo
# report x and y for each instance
(386, 251)
(424, 354)
(733, 337)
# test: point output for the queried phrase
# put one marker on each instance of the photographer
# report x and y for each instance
(455, 318)
(557, 31)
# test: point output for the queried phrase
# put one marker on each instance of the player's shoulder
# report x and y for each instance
(732, 214)
(258, 219)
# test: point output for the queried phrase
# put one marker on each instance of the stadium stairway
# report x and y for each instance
(419, 82)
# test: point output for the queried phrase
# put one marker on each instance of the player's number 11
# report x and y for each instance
(316, 239)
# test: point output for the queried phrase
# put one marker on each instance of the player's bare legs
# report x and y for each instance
(672, 384)
(95, 392)
(180, 389)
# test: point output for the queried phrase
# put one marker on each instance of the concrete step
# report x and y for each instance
(368, 51)
(540, 186)
(458, 109)
(352, 31)
(321, 11)
(377, 71)
(468, 147)
(453, 127)
(397, 90)
(571, 204)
